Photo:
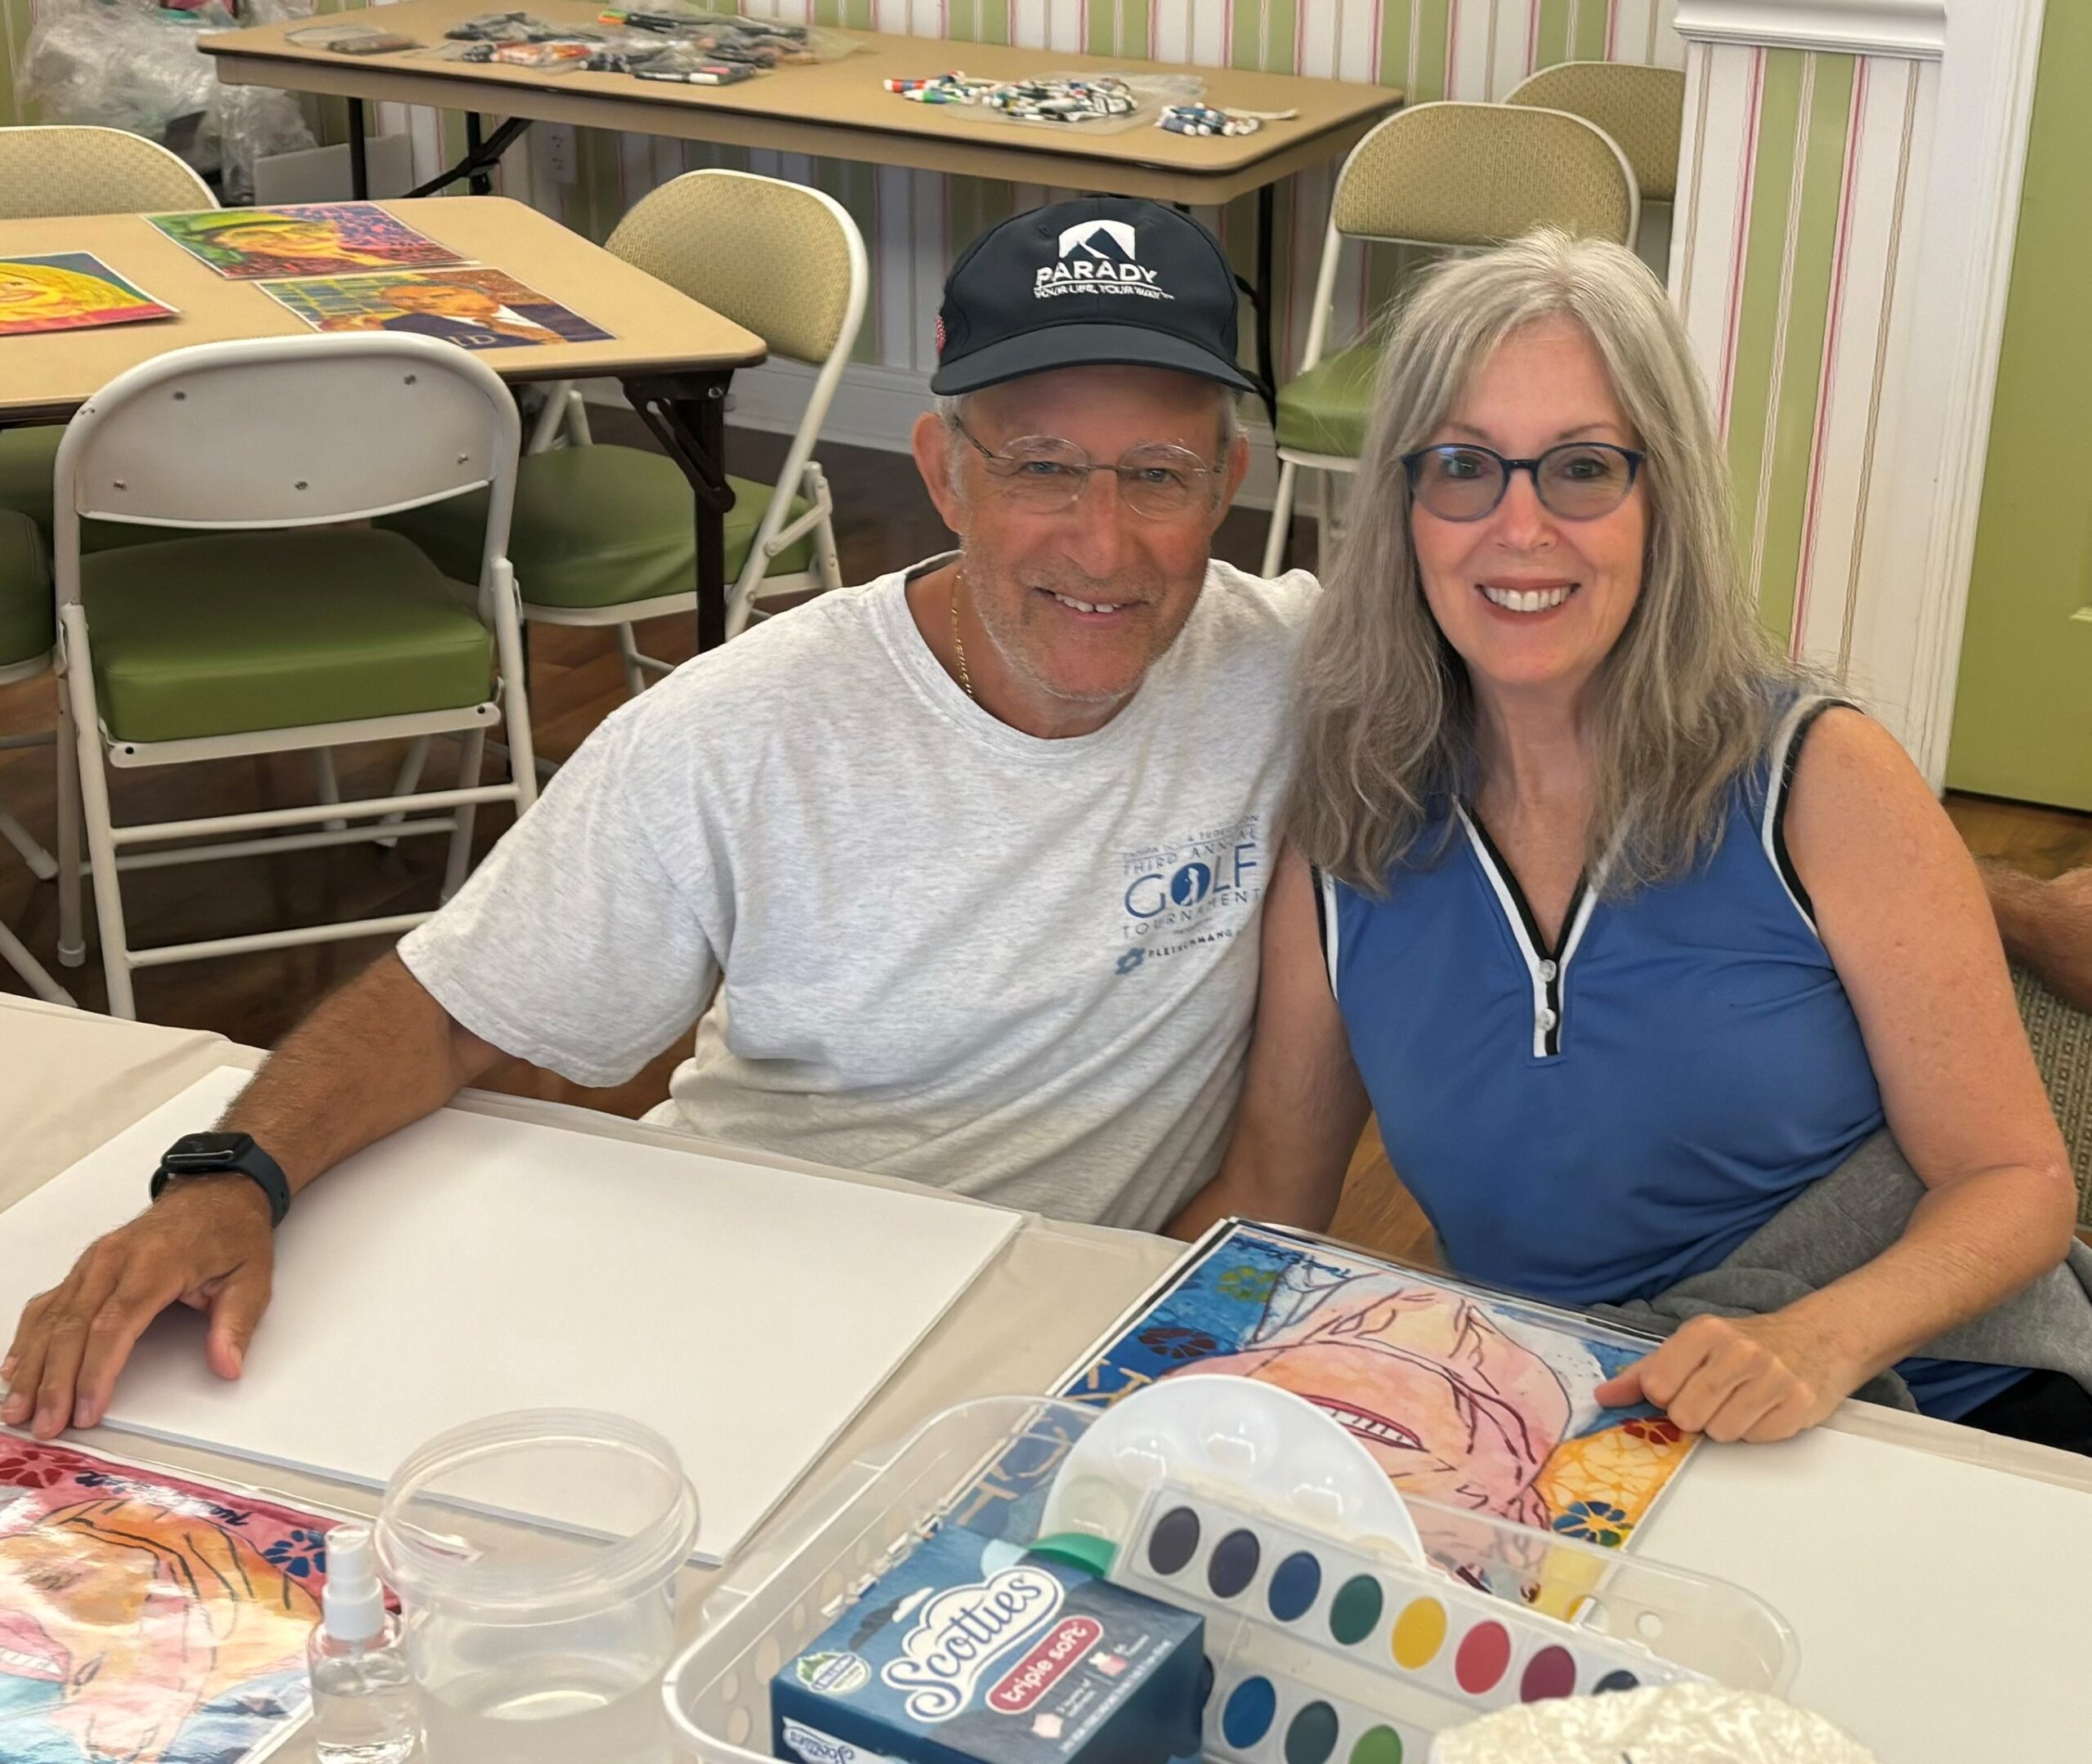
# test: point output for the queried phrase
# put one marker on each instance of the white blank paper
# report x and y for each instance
(470, 1265)
(1930, 1597)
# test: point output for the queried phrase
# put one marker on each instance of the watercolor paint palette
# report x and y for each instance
(1418, 1650)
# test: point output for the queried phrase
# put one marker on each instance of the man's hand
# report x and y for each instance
(206, 1242)
(1740, 1378)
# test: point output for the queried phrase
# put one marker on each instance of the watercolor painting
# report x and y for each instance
(475, 309)
(68, 291)
(143, 1618)
(309, 238)
(1466, 1397)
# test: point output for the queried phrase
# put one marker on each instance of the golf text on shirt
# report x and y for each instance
(1201, 888)
(1097, 257)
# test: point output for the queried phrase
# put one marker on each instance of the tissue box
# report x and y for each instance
(966, 1653)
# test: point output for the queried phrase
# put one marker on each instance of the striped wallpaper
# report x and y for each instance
(1799, 175)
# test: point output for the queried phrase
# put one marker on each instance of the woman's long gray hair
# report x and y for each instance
(1679, 709)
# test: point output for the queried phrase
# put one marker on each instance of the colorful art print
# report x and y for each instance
(143, 1618)
(1470, 1398)
(308, 238)
(68, 291)
(475, 309)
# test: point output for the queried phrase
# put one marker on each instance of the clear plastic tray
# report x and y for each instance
(988, 1463)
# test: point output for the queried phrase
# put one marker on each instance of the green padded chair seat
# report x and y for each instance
(233, 632)
(26, 623)
(1325, 410)
(597, 526)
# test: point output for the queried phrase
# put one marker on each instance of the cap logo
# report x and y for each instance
(1097, 257)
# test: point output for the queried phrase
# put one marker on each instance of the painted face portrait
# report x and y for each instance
(179, 1610)
(1451, 1407)
(32, 290)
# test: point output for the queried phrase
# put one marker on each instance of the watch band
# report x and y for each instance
(250, 1162)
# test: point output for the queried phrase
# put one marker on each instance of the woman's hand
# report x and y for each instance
(1742, 1378)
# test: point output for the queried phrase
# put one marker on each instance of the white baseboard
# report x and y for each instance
(876, 407)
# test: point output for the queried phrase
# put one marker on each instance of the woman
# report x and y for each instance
(1627, 936)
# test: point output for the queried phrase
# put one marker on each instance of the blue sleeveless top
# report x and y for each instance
(1593, 1122)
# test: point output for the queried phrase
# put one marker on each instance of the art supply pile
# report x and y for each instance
(688, 46)
(1203, 119)
(1065, 99)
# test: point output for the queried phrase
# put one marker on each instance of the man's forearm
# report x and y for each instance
(2046, 925)
(378, 1055)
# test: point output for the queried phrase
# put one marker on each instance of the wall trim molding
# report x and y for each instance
(1960, 292)
(1911, 27)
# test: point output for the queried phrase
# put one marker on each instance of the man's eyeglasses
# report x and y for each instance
(1045, 475)
(1579, 480)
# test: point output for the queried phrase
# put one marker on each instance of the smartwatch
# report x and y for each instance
(220, 1155)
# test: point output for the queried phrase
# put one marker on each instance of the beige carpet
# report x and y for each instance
(2062, 1038)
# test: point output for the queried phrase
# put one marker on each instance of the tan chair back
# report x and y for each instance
(1475, 174)
(47, 171)
(1642, 108)
(778, 259)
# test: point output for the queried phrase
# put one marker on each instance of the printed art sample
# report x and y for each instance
(309, 239)
(146, 1619)
(475, 309)
(1468, 1398)
(68, 290)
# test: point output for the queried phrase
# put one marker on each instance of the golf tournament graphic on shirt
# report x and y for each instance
(1199, 889)
(1097, 257)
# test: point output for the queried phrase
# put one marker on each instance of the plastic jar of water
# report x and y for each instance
(535, 1557)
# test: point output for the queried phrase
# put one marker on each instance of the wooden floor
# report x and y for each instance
(882, 521)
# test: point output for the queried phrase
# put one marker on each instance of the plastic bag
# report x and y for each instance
(1669, 1724)
(126, 64)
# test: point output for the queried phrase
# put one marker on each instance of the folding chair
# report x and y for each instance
(605, 535)
(26, 646)
(1462, 176)
(266, 634)
(65, 170)
(1643, 110)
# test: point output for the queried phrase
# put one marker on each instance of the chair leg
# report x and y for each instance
(101, 848)
(329, 786)
(1281, 517)
(42, 864)
(635, 676)
(1326, 521)
(72, 945)
(33, 972)
(409, 778)
(469, 765)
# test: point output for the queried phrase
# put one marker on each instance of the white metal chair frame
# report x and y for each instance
(563, 421)
(445, 425)
(1291, 459)
(42, 865)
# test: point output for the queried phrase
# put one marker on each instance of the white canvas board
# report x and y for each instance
(470, 1265)
(1940, 1606)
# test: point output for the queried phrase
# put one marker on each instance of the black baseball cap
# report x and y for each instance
(1104, 281)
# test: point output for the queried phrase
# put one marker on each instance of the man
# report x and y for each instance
(453, 312)
(975, 853)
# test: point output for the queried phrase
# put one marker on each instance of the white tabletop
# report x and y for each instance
(1936, 1577)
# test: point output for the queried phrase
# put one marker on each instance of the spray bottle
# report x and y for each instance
(363, 1707)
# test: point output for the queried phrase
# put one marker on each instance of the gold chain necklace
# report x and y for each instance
(958, 642)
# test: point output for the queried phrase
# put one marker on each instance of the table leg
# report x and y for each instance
(481, 156)
(358, 171)
(1263, 298)
(687, 413)
(480, 184)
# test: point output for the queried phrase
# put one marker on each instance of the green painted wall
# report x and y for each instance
(2023, 718)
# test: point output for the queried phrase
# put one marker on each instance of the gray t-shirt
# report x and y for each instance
(1022, 969)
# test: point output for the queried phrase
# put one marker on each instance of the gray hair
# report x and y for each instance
(950, 410)
(1682, 704)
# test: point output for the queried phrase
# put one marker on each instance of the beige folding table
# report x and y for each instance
(840, 109)
(674, 357)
